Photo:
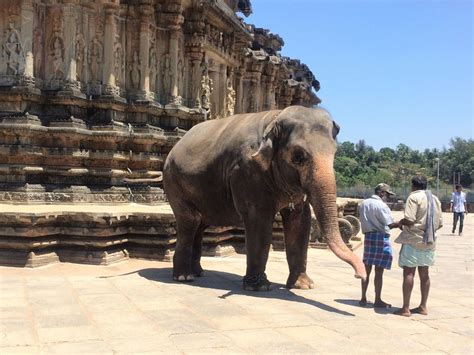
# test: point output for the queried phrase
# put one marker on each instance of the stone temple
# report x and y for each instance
(95, 91)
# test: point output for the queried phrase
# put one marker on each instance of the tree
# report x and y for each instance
(387, 154)
(403, 153)
(459, 159)
(359, 164)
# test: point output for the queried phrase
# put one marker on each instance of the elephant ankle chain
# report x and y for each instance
(252, 280)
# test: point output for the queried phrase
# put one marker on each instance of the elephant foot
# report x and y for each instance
(256, 283)
(182, 274)
(301, 281)
(184, 278)
(197, 270)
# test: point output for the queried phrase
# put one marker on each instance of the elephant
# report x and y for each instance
(243, 170)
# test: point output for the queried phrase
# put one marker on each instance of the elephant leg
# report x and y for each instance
(187, 226)
(197, 251)
(297, 226)
(258, 236)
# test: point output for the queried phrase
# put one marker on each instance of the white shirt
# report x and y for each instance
(416, 211)
(374, 215)
(458, 199)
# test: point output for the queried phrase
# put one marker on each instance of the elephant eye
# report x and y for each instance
(298, 158)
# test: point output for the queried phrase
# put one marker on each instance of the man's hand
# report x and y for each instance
(405, 222)
(394, 225)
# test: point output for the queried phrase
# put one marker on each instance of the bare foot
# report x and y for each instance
(419, 310)
(363, 302)
(381, 304)
(402, 312)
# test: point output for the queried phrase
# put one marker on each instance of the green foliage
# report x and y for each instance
(360, 165)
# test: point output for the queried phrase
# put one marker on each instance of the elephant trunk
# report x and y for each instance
(323, 200)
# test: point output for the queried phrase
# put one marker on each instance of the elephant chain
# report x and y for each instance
(257, 279)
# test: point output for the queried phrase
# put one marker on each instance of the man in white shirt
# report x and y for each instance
(458, 207)
(422, 218)
(376, 221)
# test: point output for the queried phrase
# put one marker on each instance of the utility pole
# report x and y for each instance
(437, 178)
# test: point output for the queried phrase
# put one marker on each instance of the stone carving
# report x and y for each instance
(95, 59)
(38, 48)
(57, 57)
(245, 7)
(252, 107)
(230, 98)
(135, 71)
(13, 52)
(153, 62)
(180, 75)
(119, 65)
(205, 88)
(56, 23)
(80, 57)
(166, 74)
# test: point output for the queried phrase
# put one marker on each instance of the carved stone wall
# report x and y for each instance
(93, 91)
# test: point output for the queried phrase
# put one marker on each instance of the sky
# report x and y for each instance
(391, 71)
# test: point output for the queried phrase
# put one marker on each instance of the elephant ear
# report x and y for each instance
(264, 155)
(335, 129)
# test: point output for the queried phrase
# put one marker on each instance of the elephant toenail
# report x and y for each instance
(181, 278)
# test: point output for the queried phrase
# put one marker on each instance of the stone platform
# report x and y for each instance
(99, 234)
(34, 235)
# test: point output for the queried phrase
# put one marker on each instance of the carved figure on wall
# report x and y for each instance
(226, 43)
(13, 52)
(95, 58)
(56, 23)
(166, 74)
(57, 57)
(230, 98)
(206, 91)
(38, 52)
(180, 74)
(152, 69)
(119, 66)
(204, 68)
(80, 57)
(135, 71)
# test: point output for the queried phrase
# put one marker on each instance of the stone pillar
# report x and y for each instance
(27, 15)
(222, 89)
(239, 84)
(254, 93)
(146, 11)
(173, 19)
(69, 40)
(108, 72)
(174, 35)
(214, 76)
(69, 18)
(258, 96)
(269, 92)
(195, 58)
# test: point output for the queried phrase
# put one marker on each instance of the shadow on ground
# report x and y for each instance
(232, 284)
(370, 305)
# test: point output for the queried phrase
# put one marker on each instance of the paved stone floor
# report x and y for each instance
(134, 307)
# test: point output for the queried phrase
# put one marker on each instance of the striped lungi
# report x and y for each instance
(378, 250)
